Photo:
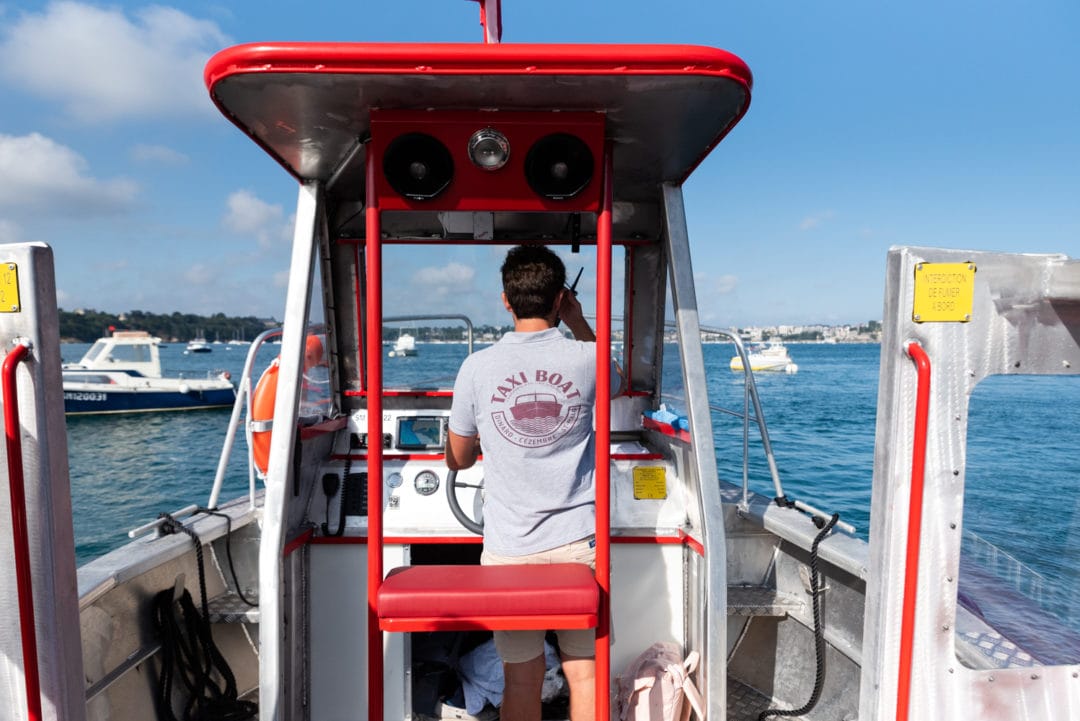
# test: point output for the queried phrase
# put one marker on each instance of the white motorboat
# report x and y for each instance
(121, 373)
(326, 590)
(198, 345)
(766, 357)
(405, 345)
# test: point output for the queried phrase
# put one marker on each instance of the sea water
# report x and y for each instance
(1022, 513)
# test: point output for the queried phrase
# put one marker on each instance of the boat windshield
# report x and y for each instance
(131, 353)
(95, 350)
(465, 280)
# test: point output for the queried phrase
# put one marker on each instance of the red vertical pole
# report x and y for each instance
(628, 319)
(491, 20)
(915, 507)
(603, 443)
(21, 539)
(373, 314)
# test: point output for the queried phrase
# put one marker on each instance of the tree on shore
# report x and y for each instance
(86, 326)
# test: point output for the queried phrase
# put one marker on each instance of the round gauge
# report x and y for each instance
(426, 483)
(394, 480)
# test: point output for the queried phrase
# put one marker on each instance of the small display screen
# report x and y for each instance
(420, 433)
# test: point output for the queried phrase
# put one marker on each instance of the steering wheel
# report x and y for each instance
(464, 519)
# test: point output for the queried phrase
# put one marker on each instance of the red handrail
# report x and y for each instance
(915, 506)
(12, 431)
(373, 270)
(603, 441)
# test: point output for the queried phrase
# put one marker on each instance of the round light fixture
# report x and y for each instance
(394, 480)
(489, 149)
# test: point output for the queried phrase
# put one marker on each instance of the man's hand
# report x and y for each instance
(570, 313)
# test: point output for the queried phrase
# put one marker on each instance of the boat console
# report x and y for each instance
(648, 500)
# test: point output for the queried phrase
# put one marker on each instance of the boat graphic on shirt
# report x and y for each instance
(536, 413)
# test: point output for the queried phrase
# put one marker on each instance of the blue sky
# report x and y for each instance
(950, 124)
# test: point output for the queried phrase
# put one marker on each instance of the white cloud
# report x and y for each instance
(247, 214)
(157, 154)
(199, 275)
(726, 284)
(111, 266)
(103, 65)
(37, 172)
(9, 232)
(812, 221)
(716, 285)
(452, 274)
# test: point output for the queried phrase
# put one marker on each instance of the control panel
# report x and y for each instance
(646, 491)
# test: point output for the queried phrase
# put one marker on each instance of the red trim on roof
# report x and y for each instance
(475, 59)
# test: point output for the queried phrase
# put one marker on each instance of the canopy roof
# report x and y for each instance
(308, 104)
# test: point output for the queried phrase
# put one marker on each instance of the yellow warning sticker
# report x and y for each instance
(944, 292)
(650, 482)
(9, 288)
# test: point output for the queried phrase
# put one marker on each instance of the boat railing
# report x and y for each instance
(241, 407)
(751, 398)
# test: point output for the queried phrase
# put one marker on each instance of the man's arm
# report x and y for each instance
(461, 451)
(570, 313)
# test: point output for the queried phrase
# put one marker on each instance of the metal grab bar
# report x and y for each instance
(750, 395)
(242, 403)
(13, 434)
(156, 524)
(914, 531)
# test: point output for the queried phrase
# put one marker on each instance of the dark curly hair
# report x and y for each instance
(532, 277)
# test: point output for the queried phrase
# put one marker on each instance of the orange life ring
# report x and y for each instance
(262, 401)
(262, 409)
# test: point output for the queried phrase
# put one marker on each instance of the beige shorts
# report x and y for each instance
(522, 646)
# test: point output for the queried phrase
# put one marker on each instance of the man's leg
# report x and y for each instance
(521, 694)
(580, 673)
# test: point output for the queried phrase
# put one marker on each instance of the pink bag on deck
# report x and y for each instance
(656, 686)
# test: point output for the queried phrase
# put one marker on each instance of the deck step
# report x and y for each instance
(760, 601)
(745, 703)
(229, 608)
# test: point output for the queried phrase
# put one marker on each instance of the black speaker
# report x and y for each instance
(418, 166)
(559, 166)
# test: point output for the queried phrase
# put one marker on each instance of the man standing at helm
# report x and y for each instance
(530, 397)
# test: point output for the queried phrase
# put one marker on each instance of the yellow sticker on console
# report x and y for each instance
(650, 482)
(9, 288)
(944, 292)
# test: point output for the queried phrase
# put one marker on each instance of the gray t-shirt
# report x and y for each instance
(530, 397)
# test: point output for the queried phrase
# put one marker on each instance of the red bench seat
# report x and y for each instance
(493, 598)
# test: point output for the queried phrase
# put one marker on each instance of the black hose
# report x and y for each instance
(228, 553)
(819, 631)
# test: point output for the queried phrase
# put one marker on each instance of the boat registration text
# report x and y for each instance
(84, 396)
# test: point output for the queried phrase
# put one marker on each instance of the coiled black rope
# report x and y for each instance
(189, 654)
(819, 631)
